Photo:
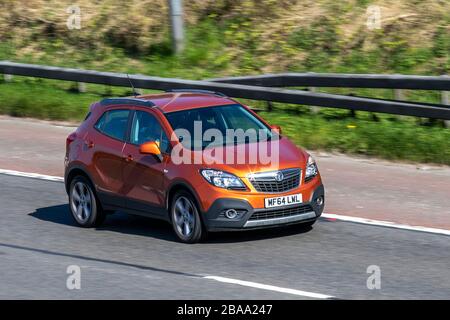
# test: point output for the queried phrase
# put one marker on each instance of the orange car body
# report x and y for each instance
(136, 182)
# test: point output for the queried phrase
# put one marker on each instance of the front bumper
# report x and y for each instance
(215, 219)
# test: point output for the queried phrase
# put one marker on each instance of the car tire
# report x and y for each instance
(185, 218)
(85, 208)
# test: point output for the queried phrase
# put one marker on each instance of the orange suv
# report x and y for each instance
(197, 159)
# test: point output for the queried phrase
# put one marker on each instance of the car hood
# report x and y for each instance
(289, 156)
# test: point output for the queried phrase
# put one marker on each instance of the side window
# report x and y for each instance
(114, 123)
(145, 127)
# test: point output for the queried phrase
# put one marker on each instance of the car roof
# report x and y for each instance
(177, 101)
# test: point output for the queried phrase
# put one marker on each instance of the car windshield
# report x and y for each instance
(219, 125)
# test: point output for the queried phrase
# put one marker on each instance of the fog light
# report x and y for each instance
(231, 213)
(319, 201)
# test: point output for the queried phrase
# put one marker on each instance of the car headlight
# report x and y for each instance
(222, 179)
(311, 169)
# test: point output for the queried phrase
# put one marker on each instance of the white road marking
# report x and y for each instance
(339, 217)
(388, 224)
(31, 175)
(270, 287)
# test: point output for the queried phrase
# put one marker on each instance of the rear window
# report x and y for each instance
(114, 123)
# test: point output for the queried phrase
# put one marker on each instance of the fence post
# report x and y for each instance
(444, 101)
(399, 94)
(81, 87)
(314, 109)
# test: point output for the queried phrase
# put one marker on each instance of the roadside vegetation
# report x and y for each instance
(228, 38)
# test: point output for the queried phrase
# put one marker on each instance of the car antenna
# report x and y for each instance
(131, 83)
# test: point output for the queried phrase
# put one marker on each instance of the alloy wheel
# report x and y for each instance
(81, 202)
(184, 216)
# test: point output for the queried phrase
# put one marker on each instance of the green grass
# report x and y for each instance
(49, 99)
(221, 43)
(36, 99)
(388, 137)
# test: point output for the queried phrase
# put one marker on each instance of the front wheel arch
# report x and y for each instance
(174, 188)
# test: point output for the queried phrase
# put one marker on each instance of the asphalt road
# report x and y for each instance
(135, 257)
(355, 186)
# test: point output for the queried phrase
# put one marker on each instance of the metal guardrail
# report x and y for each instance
(253, 92)
(343, 80)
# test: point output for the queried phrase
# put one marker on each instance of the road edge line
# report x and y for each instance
(382, 223)
(31, 175)
(365, 221)
(269, 287)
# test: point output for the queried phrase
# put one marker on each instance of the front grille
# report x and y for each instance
(266, 181)
(279, 213)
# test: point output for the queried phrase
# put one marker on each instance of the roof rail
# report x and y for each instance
(198, 91)
(131, 101)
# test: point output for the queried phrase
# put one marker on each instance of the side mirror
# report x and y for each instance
(150, 147)
(276, 128)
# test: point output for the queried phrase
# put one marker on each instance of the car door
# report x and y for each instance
(144, 173)
(106, 143)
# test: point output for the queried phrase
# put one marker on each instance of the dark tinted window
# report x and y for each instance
(222, 118)
(114, 123)
(146, 128)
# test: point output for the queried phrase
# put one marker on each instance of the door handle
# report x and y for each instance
(129, 158)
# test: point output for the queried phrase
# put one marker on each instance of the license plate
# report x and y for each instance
(283, 201)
